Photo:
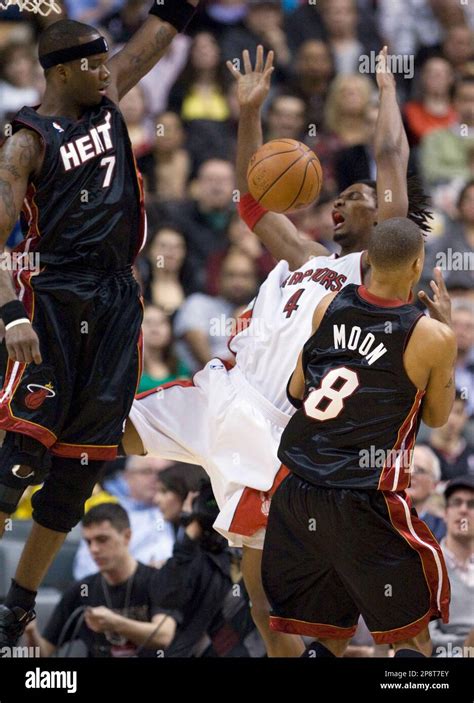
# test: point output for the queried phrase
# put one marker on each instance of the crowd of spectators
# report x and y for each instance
(202, 265)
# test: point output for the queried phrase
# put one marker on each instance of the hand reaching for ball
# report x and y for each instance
(254, 84)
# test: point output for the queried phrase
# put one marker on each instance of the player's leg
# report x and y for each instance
(398, 577)
(57, 508)
(131, 440)
(23, 462)
(305, 593)
(277, 644)
(420, 645)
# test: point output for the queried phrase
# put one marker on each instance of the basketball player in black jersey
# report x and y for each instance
(73, 326)
(342, 539)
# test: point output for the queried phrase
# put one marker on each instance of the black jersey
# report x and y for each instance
(86, 206)
(360, 415)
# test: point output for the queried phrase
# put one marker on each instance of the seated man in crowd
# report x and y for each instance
(121, 614)
(456, 638)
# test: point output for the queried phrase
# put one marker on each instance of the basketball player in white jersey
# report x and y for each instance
(229, 420)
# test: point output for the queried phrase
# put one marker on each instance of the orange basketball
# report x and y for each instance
(284, 175)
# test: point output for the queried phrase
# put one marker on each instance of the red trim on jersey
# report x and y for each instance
(251, 513)
(142, 225)
(311, 629)
(419, 538)
(76, 451)
(145, 394)
(393, 477)
(380, 302)
(246, 318)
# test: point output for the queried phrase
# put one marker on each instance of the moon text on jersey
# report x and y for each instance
(364, 346)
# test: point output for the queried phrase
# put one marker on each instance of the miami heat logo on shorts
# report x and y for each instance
(38, 394)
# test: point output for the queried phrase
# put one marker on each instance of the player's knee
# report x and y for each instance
(335, 646)
(421, 643)
(131, 441)
(23, 462)
(59, 505)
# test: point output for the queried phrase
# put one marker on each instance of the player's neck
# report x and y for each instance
(390, 290)
(122, 572)
(55, 106)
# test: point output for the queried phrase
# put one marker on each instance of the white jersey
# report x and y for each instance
(280, 321)
(230, 421)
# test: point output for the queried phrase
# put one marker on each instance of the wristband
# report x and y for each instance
(14, 310)
(250, 210)
(21, 321)
(179, 13)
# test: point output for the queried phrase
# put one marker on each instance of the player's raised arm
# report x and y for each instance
(276, 231)
(391, 148)
(20, 157)
(149, 43)
(440, 348)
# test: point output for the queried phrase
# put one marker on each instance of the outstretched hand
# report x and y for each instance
(384, 76)
(440, 306)
(254, 84)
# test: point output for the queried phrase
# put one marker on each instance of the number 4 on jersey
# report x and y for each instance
(292, 303)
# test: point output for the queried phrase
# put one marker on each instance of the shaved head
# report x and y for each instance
(395, 243)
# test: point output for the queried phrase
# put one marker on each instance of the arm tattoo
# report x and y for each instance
(7, 203)
(449, 383)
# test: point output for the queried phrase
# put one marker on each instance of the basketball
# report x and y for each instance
(284, 175)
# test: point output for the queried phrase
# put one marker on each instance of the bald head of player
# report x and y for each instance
(73, 56)
(396, 254)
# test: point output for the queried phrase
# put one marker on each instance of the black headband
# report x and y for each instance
(80, 51)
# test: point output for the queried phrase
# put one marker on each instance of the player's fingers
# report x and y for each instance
(268, 74)
(269, 61)
(434, 287)
(438, 274)
(233, 69)
(247, 63)
(35, 353)
(19, 356)
(259, 59)
(426, 300)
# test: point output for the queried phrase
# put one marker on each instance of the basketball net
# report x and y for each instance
(41, 7)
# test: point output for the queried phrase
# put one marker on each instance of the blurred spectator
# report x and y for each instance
(158, 82)
(219, 15)
(456, 456)
(140, 130)
(152, 537)
(433, 110)
(203, 323)
(160, 363)
(458, 47)
(123, 598)
(345, 125)
(91, 11)
(215, 618)
(172, 490)
(410, 24)
(242, 239)
(199, 92)
(263, 24)
(206, 139)
(306, 23)
(168, 278)
(463, 325)
(451, 639)
(123, 24)
(205, 219)
(172, 162)
(357, 163)
(447, 153)
(425, 475)
(453, 251)
(341, 21)
(312, 74)
(285, 118)
(18, 80)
